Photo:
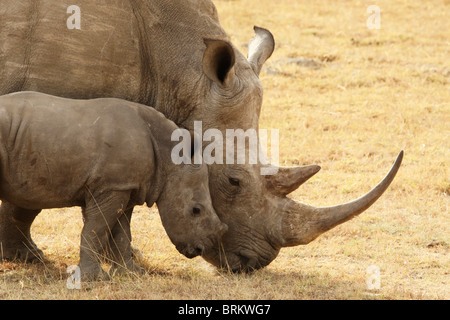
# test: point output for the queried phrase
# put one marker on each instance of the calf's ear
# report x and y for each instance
(260, 48)
(218, 61)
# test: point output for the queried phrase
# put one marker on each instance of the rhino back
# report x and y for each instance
(144, 51)
(40, 53)
(52, 149)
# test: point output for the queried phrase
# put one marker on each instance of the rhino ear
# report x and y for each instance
(260, 48)
(218, 61)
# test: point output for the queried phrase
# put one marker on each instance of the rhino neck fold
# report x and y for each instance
(170, 54)
(144, 20)
(160, 132)
(157, 179)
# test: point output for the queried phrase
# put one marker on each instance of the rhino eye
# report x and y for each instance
(234, 182)
(196, 211)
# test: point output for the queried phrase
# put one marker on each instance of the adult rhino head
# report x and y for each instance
(260, 216)
(172, 55)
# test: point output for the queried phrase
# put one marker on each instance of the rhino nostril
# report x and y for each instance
(199, 248)
(192, 252)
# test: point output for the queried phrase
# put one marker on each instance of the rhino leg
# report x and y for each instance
(120, 251)
(100, 214)
(15, 236)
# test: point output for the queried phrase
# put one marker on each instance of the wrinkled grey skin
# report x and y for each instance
(175, 56)
(107, 156)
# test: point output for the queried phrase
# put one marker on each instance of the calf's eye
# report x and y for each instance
(196, 211)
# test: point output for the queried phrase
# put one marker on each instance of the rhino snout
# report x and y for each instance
(200, 247)
(192, 251)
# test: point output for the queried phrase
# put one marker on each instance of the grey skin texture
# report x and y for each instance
(107, 156)
(175, 56)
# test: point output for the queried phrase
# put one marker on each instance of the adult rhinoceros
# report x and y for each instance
(172, 55)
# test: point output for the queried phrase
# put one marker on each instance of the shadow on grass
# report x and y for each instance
(19, 280)
(296, 285)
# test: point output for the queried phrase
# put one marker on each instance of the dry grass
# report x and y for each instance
(368, 95)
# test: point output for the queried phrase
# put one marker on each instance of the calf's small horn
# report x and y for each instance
(300, 223)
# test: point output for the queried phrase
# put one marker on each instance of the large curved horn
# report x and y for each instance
(302, 223)
(287, 179)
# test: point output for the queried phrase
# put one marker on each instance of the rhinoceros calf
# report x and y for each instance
(105, 155)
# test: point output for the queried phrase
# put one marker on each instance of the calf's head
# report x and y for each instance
(186, 210)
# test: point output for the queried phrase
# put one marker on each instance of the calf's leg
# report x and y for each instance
(120, 250)
(15, 236)
(100, 217)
